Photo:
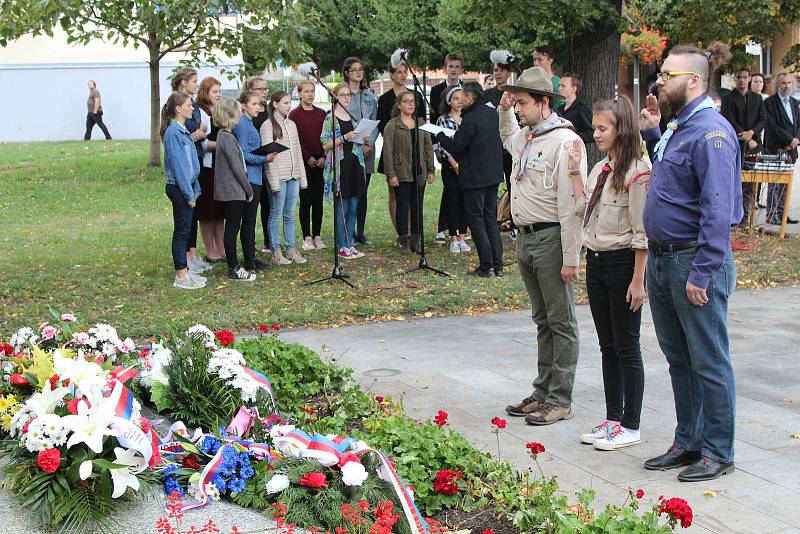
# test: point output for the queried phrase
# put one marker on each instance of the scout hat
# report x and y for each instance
(534, 80)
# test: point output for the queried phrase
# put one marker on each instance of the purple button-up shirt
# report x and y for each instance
(695, 192)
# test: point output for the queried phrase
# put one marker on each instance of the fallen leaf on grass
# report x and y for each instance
(710, 493)
(427, 314)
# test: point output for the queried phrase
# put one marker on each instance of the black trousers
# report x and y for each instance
(408, 197)
(608, 275)
(240, 221)
(311, 202)
(480, 208)
(452, 202)
(263, 199)
(442, 224)
(91, 120)
(508, 162)
(361, 211)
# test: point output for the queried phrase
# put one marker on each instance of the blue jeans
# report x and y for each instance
(346, 211)
(282, 204)
(182, 223)
(695, 341)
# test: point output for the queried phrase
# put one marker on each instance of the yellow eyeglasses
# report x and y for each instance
(667, 75)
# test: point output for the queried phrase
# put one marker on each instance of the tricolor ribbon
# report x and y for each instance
(263, 382)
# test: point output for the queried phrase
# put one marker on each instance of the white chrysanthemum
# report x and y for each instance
(104, 332)
(20, 419)
(210, 338)
(22, 336)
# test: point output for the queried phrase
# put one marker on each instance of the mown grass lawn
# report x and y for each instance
(85, 227)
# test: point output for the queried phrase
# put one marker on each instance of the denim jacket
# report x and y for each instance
(249, 139)
(365, 106)
(180, 161)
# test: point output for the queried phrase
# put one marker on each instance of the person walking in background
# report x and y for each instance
(286, 176)
(693, 200)
(182, 169)
(232, 186)
(185, 81)
(476, 146)
(350, 183)
(399, 168)
(363, 106)
(94, 113)
(259, 85)
(549, 244)
(573, 109)
(452, 196)
(454, 68)
(611, 206)
(250, 140)
(309, 119)
(782, 133)
(386, 102)
(745, 112)
(210, 215)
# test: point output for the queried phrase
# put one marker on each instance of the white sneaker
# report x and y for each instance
(197, 277)
(440, 239)
(318, 242)
(454, 248)
(600, 431)
(188, 282)
(619, 438)
(241, 275)
(462, 245)
(196, 266)
(355, 254)
(308, 243)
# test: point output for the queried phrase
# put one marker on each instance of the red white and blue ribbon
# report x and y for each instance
(262, 381)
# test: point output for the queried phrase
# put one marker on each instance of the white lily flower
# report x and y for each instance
(46, 401)
(85, 375)
(91, 425)
(123, 477)
(85, 470)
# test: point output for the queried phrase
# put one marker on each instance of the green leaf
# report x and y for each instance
(105, 483)
(105, 464)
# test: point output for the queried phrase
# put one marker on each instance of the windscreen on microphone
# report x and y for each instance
(398, 56)
(307, 69)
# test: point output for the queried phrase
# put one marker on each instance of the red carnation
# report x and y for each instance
(49, 460)
(190, 462)
(72, 406)
(639, 493)
(225, 337)
(678, 510)
(6, 350)
(348, 457)
(18, 380)
(144, 424)
(440, 418)
(446, 482)
(314, 480)
(499, 423)
(534, 447)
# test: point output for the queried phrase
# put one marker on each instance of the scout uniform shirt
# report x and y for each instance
(616, 220)
(543, 192)
(695, 191)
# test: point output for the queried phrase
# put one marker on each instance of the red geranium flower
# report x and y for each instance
(534, 447)
(678, 510)
(446, 482)
(49, 460)
(264, 328)
(639, 493)
(308, 410)
(363, 506)
(499, 423)
(225, 337)
(275, 327)
(441, 418)
(314, 480)
(18, 380)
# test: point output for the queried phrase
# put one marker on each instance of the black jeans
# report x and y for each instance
(182, 220)
(408, 198)
(361, 211)
(311, 202)
(608, 276)
(263, 199)
(442, 224)
(452, 202)
(91, 120)
(480, 209)
(240, 220)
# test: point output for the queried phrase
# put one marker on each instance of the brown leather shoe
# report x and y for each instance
(549, 414)
(528, 405)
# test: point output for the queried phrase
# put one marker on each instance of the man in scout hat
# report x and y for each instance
(549, 243)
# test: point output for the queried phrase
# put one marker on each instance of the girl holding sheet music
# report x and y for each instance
(286, 176)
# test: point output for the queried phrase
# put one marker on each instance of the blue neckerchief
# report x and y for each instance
(673, 125)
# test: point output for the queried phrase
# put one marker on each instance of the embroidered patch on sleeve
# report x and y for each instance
(716, 133)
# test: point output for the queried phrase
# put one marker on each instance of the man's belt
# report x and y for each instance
(669, 248)
(536, 227)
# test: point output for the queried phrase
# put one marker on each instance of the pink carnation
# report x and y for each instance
(49, 332)
(68, 317)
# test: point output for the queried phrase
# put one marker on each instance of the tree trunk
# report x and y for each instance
(155, 107)
(595, 57)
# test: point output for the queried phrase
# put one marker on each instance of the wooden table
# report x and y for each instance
(763, 176)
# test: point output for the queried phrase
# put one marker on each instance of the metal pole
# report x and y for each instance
(636, 89)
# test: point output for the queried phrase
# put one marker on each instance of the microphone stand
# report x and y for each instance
(336, 274)
(419, 179)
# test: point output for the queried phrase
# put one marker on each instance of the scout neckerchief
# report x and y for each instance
(673, 125)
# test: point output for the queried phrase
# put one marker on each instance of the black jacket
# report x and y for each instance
(780, 130)
(580, 116)
(745, 117)
(477, 147)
